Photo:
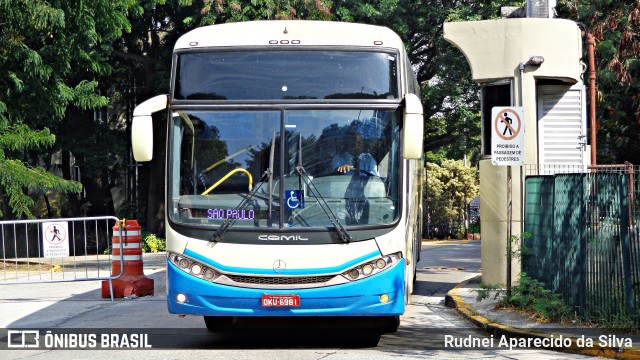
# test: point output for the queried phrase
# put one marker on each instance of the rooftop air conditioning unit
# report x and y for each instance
(541, 8)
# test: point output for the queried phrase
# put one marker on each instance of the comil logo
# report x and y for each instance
(23, 339)
(282, 238)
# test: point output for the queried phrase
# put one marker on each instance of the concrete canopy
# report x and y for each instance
(496, 48)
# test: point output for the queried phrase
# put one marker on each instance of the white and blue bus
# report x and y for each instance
(293, 164)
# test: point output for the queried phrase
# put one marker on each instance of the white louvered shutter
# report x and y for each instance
(562, 125)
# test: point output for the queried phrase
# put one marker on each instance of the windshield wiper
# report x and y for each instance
(218, 235)
(333, 219)
(270, 174)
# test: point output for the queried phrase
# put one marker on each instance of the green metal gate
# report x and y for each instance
(585, 242)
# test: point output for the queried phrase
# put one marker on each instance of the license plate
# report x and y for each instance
(280, 300)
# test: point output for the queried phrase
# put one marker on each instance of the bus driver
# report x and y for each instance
(353, 159)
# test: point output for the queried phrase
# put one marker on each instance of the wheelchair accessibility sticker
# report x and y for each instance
(295, 199)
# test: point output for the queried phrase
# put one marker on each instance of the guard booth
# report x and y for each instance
(533, 63)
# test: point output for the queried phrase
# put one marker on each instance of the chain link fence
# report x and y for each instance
(585, 240)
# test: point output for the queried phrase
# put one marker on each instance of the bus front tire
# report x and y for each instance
(389, 324)
(218, 323)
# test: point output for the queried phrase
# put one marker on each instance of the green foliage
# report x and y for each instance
(61, 55)
(451, 185)
(17, 178)
(615, 26)
(485, 291)
(19, 136)
(480, 10)
(194, 13)
(152, 243)
(50, 54)
(531, 296)
(450, 97)
(55, 71)
(518, 248)
(621, 321)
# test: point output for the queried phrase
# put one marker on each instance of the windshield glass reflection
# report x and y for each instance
(221, 162)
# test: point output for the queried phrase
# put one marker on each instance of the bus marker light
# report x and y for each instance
(209, 274)
(354, 273)
(384, 298)
(408, 261)
(181, 298)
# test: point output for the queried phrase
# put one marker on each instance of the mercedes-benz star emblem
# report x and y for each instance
(279, 266)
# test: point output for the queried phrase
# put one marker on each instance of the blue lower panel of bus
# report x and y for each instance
(358, 298)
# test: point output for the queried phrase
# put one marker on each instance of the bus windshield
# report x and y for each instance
(286, 75)
(284, 168)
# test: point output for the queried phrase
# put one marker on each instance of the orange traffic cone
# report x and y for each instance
(133, 281)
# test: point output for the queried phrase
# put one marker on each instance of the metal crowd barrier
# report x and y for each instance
(59, 250)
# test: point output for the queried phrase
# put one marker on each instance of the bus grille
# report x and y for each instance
(273, 280)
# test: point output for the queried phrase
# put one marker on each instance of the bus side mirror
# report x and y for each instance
(142, 127)
(412, 130)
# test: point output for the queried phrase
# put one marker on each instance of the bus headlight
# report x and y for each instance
(353, 274)
(367, 269)
(372, 267)
(193, 267)
(196, 269)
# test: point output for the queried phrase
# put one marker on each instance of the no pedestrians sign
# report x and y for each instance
(507, 136)
(55, 239)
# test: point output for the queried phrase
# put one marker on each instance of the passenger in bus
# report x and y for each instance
(354, 159)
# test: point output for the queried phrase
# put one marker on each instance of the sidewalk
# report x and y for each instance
(512, 324)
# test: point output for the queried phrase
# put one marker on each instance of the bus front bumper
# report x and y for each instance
(357, 298)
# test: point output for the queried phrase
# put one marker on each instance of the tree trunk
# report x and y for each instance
(98, 195)
(6, 210)
(74, 203)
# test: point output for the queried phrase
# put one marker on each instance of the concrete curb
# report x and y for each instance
(453, 300)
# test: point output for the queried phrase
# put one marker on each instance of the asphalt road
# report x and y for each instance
(78, 305)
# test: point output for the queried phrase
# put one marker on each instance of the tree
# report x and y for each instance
(41, 49)
(130, 66)
(450, 187)
(144, 58)
(615, 26)
(449, 96)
